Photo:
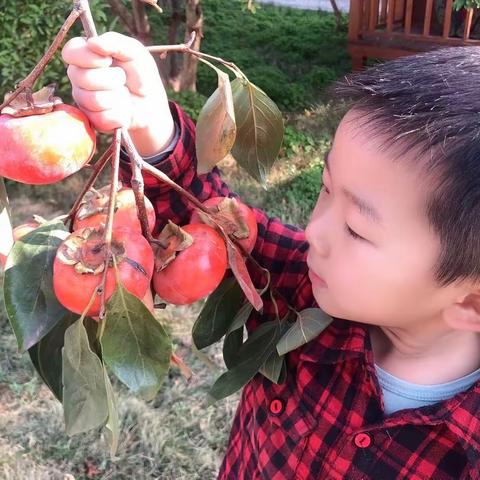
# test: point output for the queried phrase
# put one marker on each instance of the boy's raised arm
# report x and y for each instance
(115, 81)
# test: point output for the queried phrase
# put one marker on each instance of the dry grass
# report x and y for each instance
(172, 437)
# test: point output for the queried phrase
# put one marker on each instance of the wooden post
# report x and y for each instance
(373, 20)
(408, 16)
(355, 20)
(383, 14)
(390, 15)
(428, 18)
(447, 21)
(468, 24)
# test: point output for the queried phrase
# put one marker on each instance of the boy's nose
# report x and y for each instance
(317, 239)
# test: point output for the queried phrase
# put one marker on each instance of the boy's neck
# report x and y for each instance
(426, 358)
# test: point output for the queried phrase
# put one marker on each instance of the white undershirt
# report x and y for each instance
(399, 394)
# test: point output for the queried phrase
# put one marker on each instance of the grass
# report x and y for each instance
(290, 55)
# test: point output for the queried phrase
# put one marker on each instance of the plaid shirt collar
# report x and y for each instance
(349, 341)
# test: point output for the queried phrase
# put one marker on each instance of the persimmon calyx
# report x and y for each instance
(87, 251)
(95, 202)
(176, 240)
(228, 214)
(28, 103)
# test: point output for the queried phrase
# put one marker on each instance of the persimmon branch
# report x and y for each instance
(138, 188)
(138, 164)
(163, 50)
(28, 82)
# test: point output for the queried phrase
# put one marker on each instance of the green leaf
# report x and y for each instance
(252, 355)
(241, 317)
(85, 402)
(217, 314)
(134, 344)
(216, 129)
(259, 129)
(311, 322)
(234, 337)
(275, 368)
(46, 355)
(31, 305)
(112, 427)
(231, 346)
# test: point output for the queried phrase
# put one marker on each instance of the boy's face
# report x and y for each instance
(386, 277)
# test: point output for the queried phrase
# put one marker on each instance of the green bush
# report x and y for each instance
(27, 29)
(296, 141)
(290, 54)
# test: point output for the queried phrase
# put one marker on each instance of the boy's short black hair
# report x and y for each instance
(430, 103)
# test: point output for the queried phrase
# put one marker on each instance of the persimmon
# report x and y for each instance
(196, 271)
(81, 259)
(94, 209)
(45, 148)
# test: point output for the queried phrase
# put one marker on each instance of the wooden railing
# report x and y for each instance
(392, 28)
(393, 18)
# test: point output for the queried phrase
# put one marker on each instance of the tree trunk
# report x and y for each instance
(173, 61)
(337, 12)
(178, 73)
(194, 23)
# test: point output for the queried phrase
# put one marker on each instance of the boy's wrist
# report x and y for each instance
(154, 138)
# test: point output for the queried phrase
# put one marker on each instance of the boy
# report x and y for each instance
(391, 389)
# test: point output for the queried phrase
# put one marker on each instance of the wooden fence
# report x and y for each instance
(391, 28)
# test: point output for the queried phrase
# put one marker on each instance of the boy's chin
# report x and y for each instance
(321, 298)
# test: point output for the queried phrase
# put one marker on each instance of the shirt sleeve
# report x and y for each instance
(279, 248)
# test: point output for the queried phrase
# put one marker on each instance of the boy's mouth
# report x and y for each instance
(315, 279)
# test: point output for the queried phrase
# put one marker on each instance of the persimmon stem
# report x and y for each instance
(117, 138)
(97, 169)
(138, 188)
(29, 81)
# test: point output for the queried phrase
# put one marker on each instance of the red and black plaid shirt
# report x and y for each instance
(327, 421)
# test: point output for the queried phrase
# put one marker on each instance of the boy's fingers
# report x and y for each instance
(108, 120)
(76, 52)
(116, 45)
(110, 78)
(97, 101)
(142, 76)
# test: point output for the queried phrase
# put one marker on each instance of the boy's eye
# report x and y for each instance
(352, 233)
(347, 228)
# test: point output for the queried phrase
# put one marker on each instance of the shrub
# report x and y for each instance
(27, 30)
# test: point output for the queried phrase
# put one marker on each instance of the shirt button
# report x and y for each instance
(362, 440)
(276, 406)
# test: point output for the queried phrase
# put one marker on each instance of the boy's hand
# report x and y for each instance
(115, 81)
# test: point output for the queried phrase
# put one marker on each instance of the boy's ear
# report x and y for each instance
(465, 314)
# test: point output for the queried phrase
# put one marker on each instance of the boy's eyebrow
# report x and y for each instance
(364, 208)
